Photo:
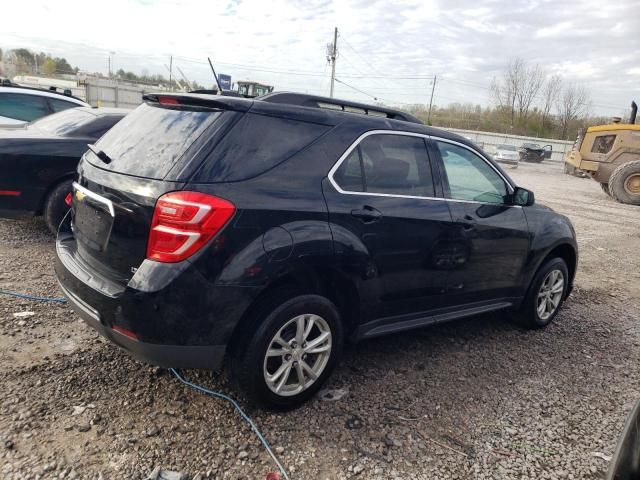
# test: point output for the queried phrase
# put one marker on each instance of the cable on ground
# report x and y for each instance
(33, 297)
(246, 417)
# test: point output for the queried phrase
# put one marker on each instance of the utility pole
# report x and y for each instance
(332, 58)
(433, 87)
(171, 72)
(109, 63)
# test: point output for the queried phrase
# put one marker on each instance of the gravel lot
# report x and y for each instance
(480, 398)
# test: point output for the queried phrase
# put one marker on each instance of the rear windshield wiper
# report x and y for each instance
(99, 153)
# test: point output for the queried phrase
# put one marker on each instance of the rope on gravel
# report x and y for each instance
(33, 297)
(240, 411)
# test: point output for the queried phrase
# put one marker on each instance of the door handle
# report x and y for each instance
(367, 214)
(469, 223)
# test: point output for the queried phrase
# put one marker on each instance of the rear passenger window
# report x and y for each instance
(22, 107)
(256, 144)
(60, 105)
(387, 164)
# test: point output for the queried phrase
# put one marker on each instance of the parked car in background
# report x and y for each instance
(38, 160)
(507, 154)
(269, 231)
(532, 152)
(20, 105)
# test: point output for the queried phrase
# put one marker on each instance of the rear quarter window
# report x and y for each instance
(256, 144)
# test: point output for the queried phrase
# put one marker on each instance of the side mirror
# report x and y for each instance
(625, 464)
(523, 197)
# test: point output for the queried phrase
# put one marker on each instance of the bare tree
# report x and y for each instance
(572, 103)
(550, 93)
(517, 87)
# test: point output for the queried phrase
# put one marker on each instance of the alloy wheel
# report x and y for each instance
(550, 294)
(297, 355)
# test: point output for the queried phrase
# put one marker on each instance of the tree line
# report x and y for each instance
(526, 100)
(21, 61)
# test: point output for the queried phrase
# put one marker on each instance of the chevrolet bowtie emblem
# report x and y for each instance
(79, 195)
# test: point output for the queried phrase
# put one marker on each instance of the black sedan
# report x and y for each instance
(38, 161)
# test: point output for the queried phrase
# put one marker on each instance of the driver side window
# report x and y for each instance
(470, 177)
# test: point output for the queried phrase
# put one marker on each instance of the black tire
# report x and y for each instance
(605, 188)
(619, 178)
(528, 313)
(248, 358)
(55, 207)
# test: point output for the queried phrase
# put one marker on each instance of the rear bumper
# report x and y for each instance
(175, 319)
(177, 356)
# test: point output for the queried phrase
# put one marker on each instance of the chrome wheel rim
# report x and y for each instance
(550, 294)
(297, 355)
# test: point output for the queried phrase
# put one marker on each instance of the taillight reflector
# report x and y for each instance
(183, 222)
(68, 199)
(10, 193)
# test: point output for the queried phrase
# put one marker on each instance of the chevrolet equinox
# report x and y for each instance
(265, 233)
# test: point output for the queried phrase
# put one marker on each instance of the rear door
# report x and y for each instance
(493, 233)
(388, 224)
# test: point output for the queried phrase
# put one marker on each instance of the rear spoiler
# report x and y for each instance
(216, 102)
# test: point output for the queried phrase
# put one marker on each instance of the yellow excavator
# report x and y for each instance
(610, 154)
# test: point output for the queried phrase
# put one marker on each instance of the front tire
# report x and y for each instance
(624, 183)
(55, 207)
(291, 354)
(546, 294)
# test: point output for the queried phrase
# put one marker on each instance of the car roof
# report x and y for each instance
(41, 92)
(303, 109)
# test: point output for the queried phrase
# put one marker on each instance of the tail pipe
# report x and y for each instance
(634, 111)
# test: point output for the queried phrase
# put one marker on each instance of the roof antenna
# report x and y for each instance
(215, 76)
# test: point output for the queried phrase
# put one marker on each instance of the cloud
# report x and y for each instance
(387, 48)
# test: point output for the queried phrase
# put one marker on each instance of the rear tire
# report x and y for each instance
(546, 294)
(605, 188)
(624, 183)
(55, 207)
(268, 365)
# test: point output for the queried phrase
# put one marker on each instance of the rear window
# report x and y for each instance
(64, 122)
(150, 140)
(256, 144)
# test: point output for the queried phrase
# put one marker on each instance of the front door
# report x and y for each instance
(388, 225)
(491, 231)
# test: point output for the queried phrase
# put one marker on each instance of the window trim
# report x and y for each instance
(357, 142)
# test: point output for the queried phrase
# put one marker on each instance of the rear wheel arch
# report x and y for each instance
(323, 281)
(47, 193)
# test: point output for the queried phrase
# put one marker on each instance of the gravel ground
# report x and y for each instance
(479, 398)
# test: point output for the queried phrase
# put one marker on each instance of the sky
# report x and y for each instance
(388, 51)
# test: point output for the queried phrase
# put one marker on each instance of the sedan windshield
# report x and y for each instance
(64, 122)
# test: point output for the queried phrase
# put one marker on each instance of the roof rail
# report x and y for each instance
(315, 101)
(65, 93)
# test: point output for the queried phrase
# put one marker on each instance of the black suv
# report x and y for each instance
(267, 232)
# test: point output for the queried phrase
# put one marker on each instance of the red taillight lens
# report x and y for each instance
(168, 101)
(183, 222)
(68, 199)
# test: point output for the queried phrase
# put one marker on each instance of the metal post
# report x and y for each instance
(171, 72)
(333, 60)
(433, 87)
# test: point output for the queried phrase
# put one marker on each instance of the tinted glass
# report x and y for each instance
(255, 144)
(396, 164)
(150, 140)
(349, 174)
(470, 177)
(60, 105)
(64, 122)
(22, 107)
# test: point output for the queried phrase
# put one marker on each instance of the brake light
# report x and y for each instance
(183, 222)
(168, 101)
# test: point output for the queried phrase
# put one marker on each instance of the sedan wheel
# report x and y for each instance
(297, 355)
(550, 294)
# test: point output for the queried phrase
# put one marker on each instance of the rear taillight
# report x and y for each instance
(183, 222)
